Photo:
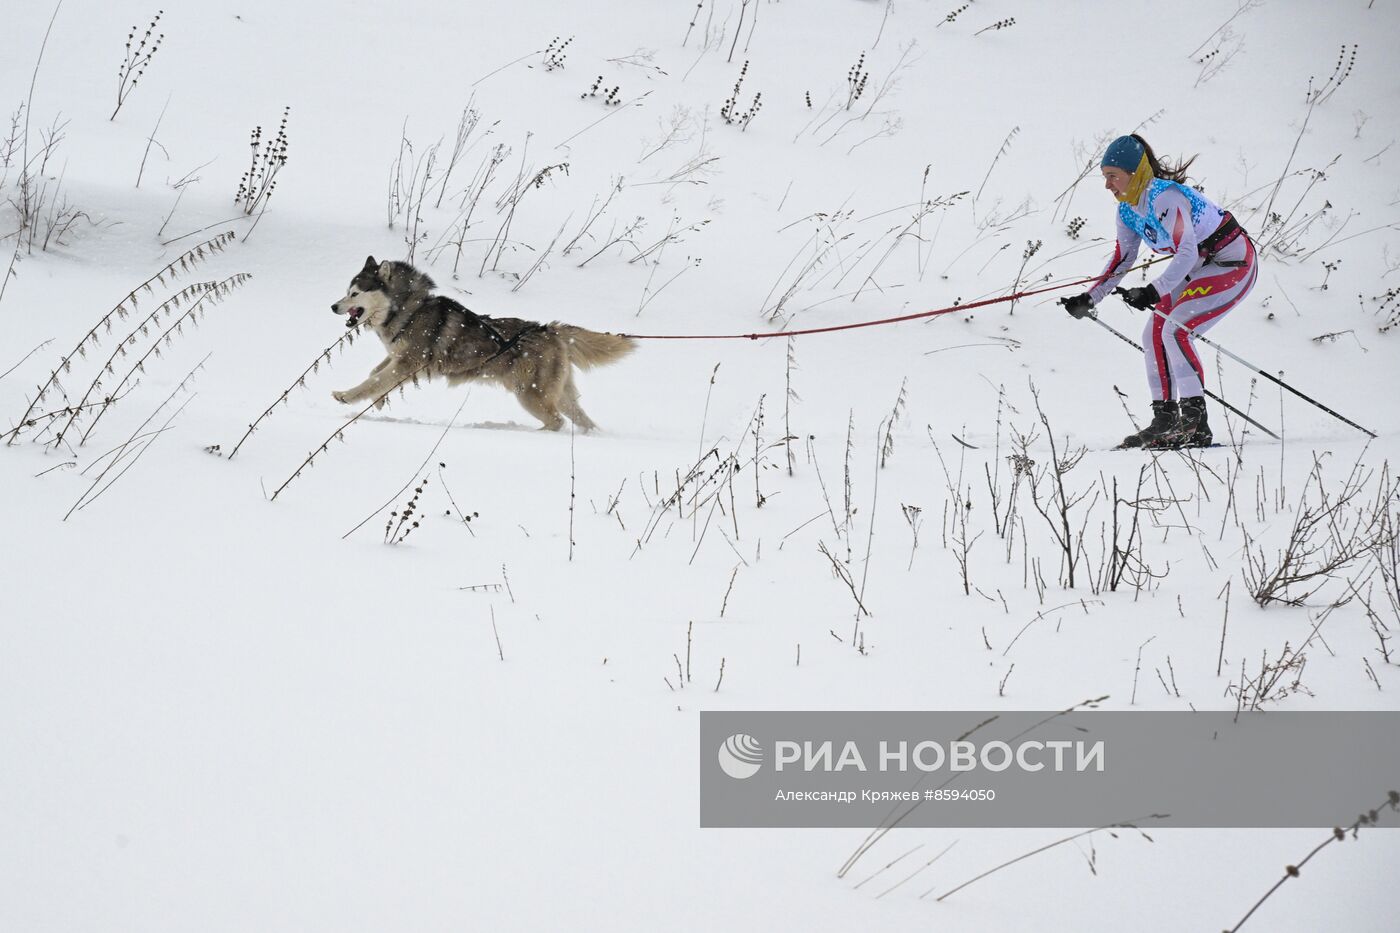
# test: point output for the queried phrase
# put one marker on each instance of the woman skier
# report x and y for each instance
(1213, 268)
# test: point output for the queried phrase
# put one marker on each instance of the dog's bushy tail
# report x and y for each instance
(588, 348)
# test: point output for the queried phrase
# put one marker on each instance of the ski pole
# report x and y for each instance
(1135, 345)
(1210, 343)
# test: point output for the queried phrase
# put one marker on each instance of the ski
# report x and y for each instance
(1168, 449)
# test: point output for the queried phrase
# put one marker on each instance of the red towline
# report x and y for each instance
(888, 320)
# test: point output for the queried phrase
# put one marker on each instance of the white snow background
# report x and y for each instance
(223, 713)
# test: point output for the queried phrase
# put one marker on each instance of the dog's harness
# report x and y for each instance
(495, 334)
(502, 343)
(505, 345)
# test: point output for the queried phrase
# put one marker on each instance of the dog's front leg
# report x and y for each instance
(380, 382)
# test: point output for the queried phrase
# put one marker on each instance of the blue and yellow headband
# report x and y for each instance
(1129, 155)
(1125, 152)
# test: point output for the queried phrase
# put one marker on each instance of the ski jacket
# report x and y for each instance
(1173, 219)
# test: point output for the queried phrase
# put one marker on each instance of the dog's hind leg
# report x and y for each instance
(537, 404)
(568, 403)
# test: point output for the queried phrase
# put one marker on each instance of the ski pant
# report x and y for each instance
(1209, 292)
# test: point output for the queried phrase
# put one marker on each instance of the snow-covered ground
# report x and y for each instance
(220, 712)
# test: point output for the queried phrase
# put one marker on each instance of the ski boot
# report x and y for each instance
(1192, 429)
(1164, 421)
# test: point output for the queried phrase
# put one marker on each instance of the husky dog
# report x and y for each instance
(431, 335)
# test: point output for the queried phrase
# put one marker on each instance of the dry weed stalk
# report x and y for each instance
(463, 516)
(129, 303)
(595, 210)
(407, 193)
(1276, 680)
(823, 243)
(961, 503)
(899, 814)
(1005, 145)
(396, 531)
(1123, 554)
(466, 124)
(136, 59)
(1369, 818)
(339, 435)
(789, 396)
(910, 230)
(1386, 547)
(49, 417)
(471, 197)
(1108, 828)
(216, 292)
(510, 203)
(839, 571)
(1057, 509)
(185, 296)
(91, 494)
(1330, 532)
(673, 235)
(344, 340)
(893, 123)
(706, 483)
(256, 186)
(913, 515)
(421, 467)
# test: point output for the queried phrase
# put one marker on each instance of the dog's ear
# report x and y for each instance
(386, 270)
(370, 264)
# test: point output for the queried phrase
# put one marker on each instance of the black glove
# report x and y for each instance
(1140, 298)
(1080, 306)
